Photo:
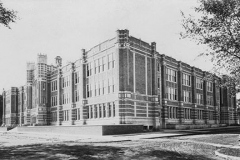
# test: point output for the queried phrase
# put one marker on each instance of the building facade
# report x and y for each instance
(123, 80)
(1, 110)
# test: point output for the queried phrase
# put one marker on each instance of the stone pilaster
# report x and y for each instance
(180, 96)
(59, 97)
(72, 113)
(193, 84)
(83, 90)
(205, 111)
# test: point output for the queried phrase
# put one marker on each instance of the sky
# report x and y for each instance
(64, 27)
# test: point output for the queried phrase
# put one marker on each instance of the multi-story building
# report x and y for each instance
(1, 109)
(123, 80)
(10, 107)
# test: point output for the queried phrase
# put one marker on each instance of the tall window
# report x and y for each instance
(77, 95)
(199, 98)
(99, 65)
(209, 86)
(104, 110)
(186, 79)
(158, 81)
(114, 110)
(186, 96)
(109, 110)
(199, 114)
(100, 111)
(103, 87)
(111, 60)
(95, 89)
(95, 66)
(99, 88)
(187, 113)
(172, 112)
(53, 100)
(171, 93)
(95, 111)
(91, 112)
(88, 92)
(171, 75)
(88, 69)
(113, 84)
(199, 83)
(65, 115)
(76, 77)
(209, 100)
(103, 63)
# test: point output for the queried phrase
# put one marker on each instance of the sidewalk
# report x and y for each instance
(166, 133)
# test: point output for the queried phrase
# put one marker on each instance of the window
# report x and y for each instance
(171, 93)
(88, 70)
(65, 115)
(158, 81)
(95, 111)
(65, 81)
(91, 112)
(171, 75)
(76, 95)
(91, 68)
(44, 86)
(88, 92)
(99, 65)
(172, 112)
(199, 114)
(113, 84)
(95, 65)
(109, 110)
(199, 83)
(187, 113)
(113, 60)
(210, 115)
(100, 111)
(158, 67)
(65, 98)
(76, 77)
(209, 100)
(103, 87)
(103, 63)
(209, 86)
(53, 100)
(95, 91)
(186, 79)
(199, 98)
(114, 110)
(99, 89)
(104, 110)
(109, 86)
(186, 96)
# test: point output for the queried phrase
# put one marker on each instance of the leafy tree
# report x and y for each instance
(216, 24)
(6, 16)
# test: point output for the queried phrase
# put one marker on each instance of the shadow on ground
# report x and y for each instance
(90, 152)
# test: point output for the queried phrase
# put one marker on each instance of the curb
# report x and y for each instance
(226, 156)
